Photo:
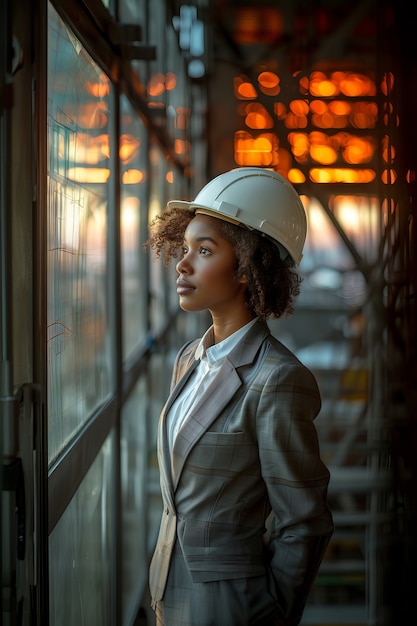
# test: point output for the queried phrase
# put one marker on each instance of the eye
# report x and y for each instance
(184, 250)
(204, 251)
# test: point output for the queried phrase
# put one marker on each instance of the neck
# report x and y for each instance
(223, 328)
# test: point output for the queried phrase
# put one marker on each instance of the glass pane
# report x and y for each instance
(156, 86)
(80, 550)
(177, 99)
(133, 12)
(159, 309)
(79, 358)
(174, 187)
(134, 476)
(133, 155)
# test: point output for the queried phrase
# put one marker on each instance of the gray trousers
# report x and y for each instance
(232, 602)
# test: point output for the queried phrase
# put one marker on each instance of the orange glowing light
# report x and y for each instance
(323, 154)
(321, 86)
(387, 84)
(268, 79)
(318, 175)
(341, 148)
(318, 137)
(388, 150)
(132, 177)
(304, 85)
(389, 177)
(340, 107)
(358, 150)
(156, 105)
(156, 85)
(269, 83)
(244, 90)
(354, 85)
(280, 110)
(296, 176)
(341, 175)
(129, 145)
(181, 121)
(258, 117)
(170, 81)
(319, 106)
(180, 146)
(129, 223)
(300, 144)
(327, 120)
(361, 218)
(349, 83)
(348, 214)
(410, 176)
(261, 151)
(88, 174)
(389, 116)
(299, 107)
(389, 120)
(85, 149)
(91, 115)
(99, 89)
(295, 121)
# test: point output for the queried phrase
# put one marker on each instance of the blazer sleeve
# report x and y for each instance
(296, 480)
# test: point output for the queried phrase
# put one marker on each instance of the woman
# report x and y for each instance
(245, 522)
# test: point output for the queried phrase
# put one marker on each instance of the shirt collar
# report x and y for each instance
(216, 352)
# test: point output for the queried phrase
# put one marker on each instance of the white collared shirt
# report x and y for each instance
(211, 358)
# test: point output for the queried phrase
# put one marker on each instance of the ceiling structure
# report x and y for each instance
(291, 40)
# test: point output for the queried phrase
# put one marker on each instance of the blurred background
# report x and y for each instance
(109, 109)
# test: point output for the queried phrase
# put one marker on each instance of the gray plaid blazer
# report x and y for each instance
(246, 461)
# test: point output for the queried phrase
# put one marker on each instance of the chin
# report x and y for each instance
(189, 307)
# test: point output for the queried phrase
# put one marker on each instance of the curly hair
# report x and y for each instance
(272, 284)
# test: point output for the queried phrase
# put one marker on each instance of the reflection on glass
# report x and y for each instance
(80, 550)
(134, 12)
(79, 360)
(159, 308)
(156, 92)
(133, 231)
(135, 479)
(177, 97)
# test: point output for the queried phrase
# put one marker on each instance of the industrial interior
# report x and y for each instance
(109, 109)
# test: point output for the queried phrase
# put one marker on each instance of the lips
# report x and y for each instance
(183, 287)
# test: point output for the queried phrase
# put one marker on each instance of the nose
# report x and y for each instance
(183, 266)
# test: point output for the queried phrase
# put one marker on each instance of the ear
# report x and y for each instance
(243, 280)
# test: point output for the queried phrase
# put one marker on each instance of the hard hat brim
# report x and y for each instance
(198, 208)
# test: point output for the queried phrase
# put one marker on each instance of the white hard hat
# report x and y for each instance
(257, 198)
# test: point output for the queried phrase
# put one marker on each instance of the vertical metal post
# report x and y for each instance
(10, 468)
(8, 434)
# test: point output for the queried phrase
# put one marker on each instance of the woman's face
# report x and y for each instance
(207, 269)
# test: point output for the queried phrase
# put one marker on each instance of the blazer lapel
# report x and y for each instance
(216, 397)
(211, 403)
